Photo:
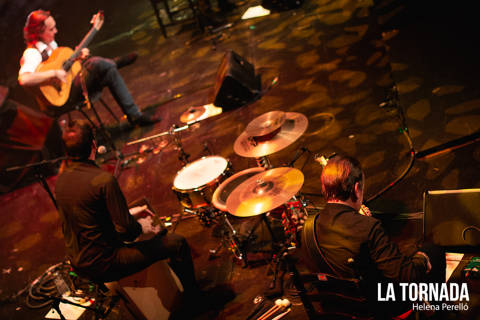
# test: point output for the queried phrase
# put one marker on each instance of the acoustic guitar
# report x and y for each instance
(55, 93)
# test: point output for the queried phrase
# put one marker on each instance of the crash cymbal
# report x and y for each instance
(264, 191)
(265, 124)
(192, 114)
(292, 128)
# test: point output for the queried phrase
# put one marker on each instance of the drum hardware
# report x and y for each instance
(196, 182)
(192, 114)
(206, 215)
(269, 133)
(229, 239)
(207, 149)
(264, 162)
(174, 129)
(221, 194)
(245, 244)
(259, 195)
(266, 124)
(183, 156)
(195, 114)
(265, 191)
(294, 213)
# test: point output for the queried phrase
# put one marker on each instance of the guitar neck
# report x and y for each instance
(83, 44)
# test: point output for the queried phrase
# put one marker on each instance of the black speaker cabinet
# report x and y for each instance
(236, 83)
(452, 217)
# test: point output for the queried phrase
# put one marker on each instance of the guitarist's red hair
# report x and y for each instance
(34, 26)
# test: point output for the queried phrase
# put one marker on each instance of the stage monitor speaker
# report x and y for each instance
(452, 217)
(236, 83)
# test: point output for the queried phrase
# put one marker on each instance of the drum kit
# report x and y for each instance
(208, 188)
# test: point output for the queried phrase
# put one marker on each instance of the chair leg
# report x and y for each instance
(109, 110)
(100, 127)
(297, 282)
(159, 19)
(103, 131)
(79, 108)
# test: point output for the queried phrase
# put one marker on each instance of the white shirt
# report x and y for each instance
(32, 57)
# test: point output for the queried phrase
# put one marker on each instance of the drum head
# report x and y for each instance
(220, 196)
(200, 172)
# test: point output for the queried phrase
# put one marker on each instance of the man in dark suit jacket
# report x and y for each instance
(354, 244)
(101, 236)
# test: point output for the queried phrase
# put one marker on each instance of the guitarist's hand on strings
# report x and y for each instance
(59, 74)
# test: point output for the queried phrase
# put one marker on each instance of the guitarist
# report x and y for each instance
(39, 33)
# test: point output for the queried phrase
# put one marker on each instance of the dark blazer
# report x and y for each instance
(95, 216)
(342, 233)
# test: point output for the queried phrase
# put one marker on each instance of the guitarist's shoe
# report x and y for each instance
(144, 120)
(125, 60)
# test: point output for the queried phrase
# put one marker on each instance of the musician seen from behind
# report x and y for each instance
(39, 33)
(101, 236)
(353, 244)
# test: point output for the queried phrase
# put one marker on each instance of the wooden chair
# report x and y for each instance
(172, 13)
(334, 298)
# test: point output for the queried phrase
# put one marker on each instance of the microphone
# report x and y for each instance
(101, 149)
(324, 160)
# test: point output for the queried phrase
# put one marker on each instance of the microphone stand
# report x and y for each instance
(171, 131)
(183, 157)
(39, 175)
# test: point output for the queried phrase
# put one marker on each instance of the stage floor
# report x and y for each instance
(333, 61)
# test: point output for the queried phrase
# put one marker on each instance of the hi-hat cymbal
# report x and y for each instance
(265, 124)
(292, 128)
(264, 191)
(192, 114)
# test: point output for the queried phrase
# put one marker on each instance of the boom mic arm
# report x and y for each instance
(298, 154)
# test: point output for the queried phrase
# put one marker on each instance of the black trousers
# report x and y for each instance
(99, 73)
(139, 255)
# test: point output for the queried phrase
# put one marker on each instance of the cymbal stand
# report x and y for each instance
(264, 162)
(183, 156)
(250, 236)
(229, 239)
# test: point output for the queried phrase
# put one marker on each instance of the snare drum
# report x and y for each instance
(196, 182)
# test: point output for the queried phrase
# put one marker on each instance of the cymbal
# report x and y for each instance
(192, 114)
(292, 128)
(264, 191)
(265, 124)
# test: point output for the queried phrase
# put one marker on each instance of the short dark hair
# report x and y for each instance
(78, 138)
(34, 26)
(339, 176)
